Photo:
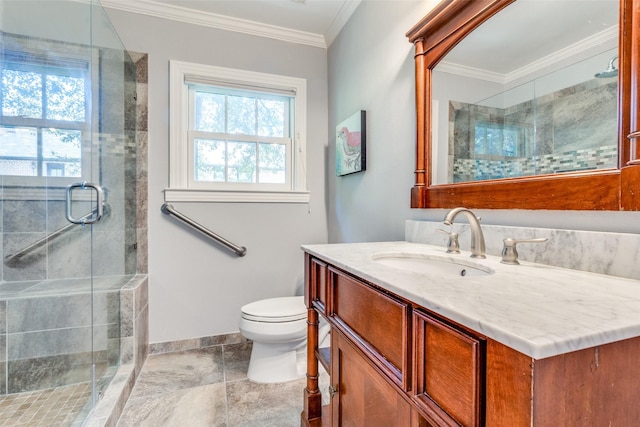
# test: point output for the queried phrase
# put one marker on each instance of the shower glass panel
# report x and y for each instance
(67, 136)
(562, 121)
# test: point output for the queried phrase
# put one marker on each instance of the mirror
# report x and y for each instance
(510, 112)
(528, 104)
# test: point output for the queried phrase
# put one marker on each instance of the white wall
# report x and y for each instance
(197, 288)
(371, 67)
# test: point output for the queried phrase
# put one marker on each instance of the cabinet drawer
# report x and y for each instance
(316, 276)
(377, 322)
(449, 373)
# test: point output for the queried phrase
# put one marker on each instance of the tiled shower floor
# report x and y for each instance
(52, 407)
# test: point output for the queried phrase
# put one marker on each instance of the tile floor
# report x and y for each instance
(209, 387)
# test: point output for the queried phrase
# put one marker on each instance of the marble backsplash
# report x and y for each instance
(614, 254)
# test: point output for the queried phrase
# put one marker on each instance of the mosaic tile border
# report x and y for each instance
(588, 159)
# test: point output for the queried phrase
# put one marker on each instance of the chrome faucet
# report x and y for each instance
(477, 238)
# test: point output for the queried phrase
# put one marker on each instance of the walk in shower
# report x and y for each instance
(67, 207)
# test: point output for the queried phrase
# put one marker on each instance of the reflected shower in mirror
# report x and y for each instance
(526, 106)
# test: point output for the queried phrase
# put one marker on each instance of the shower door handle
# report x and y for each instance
(96, 213)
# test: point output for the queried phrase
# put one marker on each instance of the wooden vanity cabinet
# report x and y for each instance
(372, 359)
(395, 363)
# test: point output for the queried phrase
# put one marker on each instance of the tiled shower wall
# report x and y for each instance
(134, 297)
(575, 129)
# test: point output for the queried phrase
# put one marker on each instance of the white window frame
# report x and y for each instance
(182, 187)
(193, 134)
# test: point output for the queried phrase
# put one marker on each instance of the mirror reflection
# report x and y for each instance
(542, 101)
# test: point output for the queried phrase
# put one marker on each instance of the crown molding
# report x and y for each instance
(207, 19)
(471, 72)
(565, 53)
(348, 7)
(539, 64)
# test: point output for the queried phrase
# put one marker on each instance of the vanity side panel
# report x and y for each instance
(599, 386)
(509, 378)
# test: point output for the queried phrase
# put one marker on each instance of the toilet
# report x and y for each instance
(278, 329)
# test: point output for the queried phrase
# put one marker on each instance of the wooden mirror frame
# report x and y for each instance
(608, 189)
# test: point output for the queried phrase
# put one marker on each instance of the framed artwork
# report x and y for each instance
(351, 145)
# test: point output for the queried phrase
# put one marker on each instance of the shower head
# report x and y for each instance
(611, 70)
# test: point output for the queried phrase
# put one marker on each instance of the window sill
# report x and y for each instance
(212, 196)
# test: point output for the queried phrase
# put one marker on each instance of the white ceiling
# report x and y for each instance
(529, 31)
(313, 22)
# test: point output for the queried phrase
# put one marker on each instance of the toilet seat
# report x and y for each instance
(275, 310)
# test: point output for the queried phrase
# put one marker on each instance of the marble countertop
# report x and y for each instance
(539, 310)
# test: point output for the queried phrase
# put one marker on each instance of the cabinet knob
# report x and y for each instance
(332, 391)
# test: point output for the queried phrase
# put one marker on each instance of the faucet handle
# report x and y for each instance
(509, 252)
(453, 245)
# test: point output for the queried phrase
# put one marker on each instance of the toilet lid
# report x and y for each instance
(285, 309)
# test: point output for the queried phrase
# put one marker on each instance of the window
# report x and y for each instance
(239, 137)
(494, 139)
(43, 113)
(236, 135)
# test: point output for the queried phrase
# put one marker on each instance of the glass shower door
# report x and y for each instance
(67, 202)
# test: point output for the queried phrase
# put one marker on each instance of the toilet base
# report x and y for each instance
(275, 363)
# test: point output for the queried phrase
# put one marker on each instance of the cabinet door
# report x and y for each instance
(449, 373)
(363, 396)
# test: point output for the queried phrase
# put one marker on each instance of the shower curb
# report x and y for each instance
(108, 410)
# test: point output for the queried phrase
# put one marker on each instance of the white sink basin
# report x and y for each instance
(433, 264)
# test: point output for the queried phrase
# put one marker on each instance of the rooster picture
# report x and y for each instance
(350, 141)
(350, 153)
